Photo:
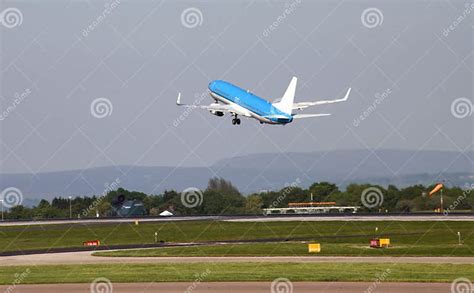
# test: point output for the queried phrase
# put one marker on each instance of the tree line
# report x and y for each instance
(222, 198)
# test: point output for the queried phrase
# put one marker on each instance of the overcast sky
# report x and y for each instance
(411, 60)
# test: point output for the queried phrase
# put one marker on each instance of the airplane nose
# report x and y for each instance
(212, 85)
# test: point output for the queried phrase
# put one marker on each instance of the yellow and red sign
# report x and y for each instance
(91, 243)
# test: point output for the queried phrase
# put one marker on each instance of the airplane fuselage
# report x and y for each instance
(248, 103)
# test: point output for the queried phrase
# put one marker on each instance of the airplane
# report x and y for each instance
(236, 101)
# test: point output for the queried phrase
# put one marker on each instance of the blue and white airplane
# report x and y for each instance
(237, 101)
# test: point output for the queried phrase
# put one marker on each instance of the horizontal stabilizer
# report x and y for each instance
(303, 105)
(276, 116)
(300, 116)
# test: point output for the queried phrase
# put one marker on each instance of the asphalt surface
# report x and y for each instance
(109, 220)
(419, 218)
(85, 257)
(272, 218)
(255, 287)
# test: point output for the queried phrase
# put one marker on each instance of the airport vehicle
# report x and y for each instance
(237, 102)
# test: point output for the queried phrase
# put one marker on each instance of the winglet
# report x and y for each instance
(178, 101)
(347, 95)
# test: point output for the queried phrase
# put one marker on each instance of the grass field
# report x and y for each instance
(341, 238)
(237, 272)
(296, 249)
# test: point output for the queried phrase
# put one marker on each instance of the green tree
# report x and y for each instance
(44, 210)
(221, 185)
(19, 212)
(253, 204)
(322, 190)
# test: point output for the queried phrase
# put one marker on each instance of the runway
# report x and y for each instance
(253, 218)
(256, 287)
(417, 218)
(110, 220)
(86, 257)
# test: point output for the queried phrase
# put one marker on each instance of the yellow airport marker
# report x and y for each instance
(384, 242)
(314, 247)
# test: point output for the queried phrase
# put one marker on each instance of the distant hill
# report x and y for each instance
(257, 172)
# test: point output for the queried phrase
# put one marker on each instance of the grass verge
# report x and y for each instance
(209, 272)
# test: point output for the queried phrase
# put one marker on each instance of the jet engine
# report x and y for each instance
(217, 113)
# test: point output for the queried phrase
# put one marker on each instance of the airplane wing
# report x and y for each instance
(214, 107)
(299, 116)
(303, 105)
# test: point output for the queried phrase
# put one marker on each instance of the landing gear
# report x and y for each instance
(235, 120)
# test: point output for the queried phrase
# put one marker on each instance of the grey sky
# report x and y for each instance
(140, 55)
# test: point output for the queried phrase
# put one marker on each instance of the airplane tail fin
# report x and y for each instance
(286, 103)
